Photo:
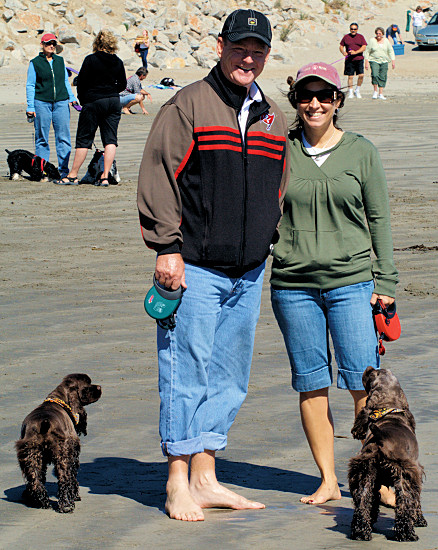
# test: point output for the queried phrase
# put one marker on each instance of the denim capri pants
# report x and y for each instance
(306, 316)
(379, 74)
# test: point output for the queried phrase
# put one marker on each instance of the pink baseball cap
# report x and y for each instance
(47, 37)
(321, 70)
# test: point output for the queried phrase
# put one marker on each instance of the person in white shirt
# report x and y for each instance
(418, 19)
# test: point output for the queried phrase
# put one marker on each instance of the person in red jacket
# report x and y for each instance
(210, 189)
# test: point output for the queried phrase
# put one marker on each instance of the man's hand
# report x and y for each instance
(387, 300)
(170, 271)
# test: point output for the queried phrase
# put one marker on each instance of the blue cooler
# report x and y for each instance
(399, 49)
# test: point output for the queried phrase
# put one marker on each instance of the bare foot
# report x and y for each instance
(324, 493)
(126, 111)
(210, 494)
(387, 497)
(180, 504)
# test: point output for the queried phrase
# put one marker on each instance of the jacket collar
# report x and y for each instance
(233, 95)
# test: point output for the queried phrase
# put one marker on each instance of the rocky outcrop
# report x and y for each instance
(183, 33)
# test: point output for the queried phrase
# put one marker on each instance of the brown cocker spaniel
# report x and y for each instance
(389, 457)
(49, 435)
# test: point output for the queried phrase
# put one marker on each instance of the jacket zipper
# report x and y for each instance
(245, 183)
(53, 78)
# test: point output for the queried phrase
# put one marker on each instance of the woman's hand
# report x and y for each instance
(386, 300)
(393, 64)
(367, 65)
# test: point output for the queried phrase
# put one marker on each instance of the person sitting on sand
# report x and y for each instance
(134, 93)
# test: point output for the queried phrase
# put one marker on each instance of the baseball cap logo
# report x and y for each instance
(252, 21)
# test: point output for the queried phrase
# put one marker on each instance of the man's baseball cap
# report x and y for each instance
(242, 24)
(321, 70)
(48, 37)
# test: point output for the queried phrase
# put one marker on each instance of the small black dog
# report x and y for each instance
(49, 435)
(21, 160)
(95, 169)
(389, 457)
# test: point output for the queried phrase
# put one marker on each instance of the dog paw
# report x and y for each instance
(66, 508)
(401, 537)
(420, 522)
(361, 536)
(15, 177)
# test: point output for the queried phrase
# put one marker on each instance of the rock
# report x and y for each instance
(32, 21)
(15, 5)
(9, 45)
(66, 36)
(80, 12)
(8, 15)
(2, 59)
(107, 10)
(69, 17)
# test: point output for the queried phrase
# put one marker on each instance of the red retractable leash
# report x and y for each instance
(387, 323)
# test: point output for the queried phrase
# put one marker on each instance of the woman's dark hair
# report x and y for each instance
(297, 125)
(142, 71)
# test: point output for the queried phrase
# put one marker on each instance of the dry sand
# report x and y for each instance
(74, 275)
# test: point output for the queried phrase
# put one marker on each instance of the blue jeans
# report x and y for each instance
(125, 99)
(58, 114)
(204, 363)
(144, 56)
(307, 315)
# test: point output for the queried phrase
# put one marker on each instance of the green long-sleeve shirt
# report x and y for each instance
(333, 216)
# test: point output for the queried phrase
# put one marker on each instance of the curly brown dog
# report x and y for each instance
(49, 435)
(389, 457)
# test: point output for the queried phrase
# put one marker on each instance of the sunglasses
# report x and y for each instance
(353, 28)
(50, 43)
(323, 96)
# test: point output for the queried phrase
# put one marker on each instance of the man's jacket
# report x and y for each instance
(203, 190)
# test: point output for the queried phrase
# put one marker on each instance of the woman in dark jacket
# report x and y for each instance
(101, 78)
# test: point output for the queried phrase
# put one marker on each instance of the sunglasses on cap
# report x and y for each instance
(323, 96)
(50, 43)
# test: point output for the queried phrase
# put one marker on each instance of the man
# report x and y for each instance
(352, 47)
(211, 183)
(392, 31)
(134, 93)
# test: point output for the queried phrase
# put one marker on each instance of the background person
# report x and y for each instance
(393, 32)
(352, 47)
(142, 44)
(134, 93)
(323, 281)
(210, 187)
(100, 80)
(418, 20)
(48, 94)
(378, 54)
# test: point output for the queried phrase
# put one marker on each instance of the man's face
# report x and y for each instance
(243, 61)
(353, 30)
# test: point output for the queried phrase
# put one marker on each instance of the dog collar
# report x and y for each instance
(65, 406)
(380, 413)
(43, 163)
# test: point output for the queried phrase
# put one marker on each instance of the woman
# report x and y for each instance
(48, 94)
(142, 47)
(378, 54)
(101, 78)
(418, 19)
(323, 281)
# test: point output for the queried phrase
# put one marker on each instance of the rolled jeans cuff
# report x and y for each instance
(207, 441)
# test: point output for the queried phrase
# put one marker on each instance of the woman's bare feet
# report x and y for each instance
(180, 504)
(323, 494)
(210, 494)
(387, 497)
(127, 111)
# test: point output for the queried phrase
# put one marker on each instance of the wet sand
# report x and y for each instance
(74, 275)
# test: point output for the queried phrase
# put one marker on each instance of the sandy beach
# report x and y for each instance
(74, 275)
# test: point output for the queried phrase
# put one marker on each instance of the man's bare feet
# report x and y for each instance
(323, 494)
(387, 497)
(180, 504)
(127, 111)
(210, 494)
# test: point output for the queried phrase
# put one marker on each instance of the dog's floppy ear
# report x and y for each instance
(360, 426)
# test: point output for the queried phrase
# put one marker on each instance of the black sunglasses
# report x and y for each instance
(323, 96)
(353, 28)
(50, 43)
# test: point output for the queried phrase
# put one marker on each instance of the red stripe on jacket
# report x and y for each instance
(267, 136)
(184, 160)
(264, 154)
(216, 129)
(219, 146)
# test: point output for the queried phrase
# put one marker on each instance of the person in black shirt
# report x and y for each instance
(101, 78)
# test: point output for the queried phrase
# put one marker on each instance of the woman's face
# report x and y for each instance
(316, 115)
(49, 48)
(379, 35)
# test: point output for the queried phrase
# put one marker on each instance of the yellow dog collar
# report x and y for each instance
(376, 414)
(65, 406)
